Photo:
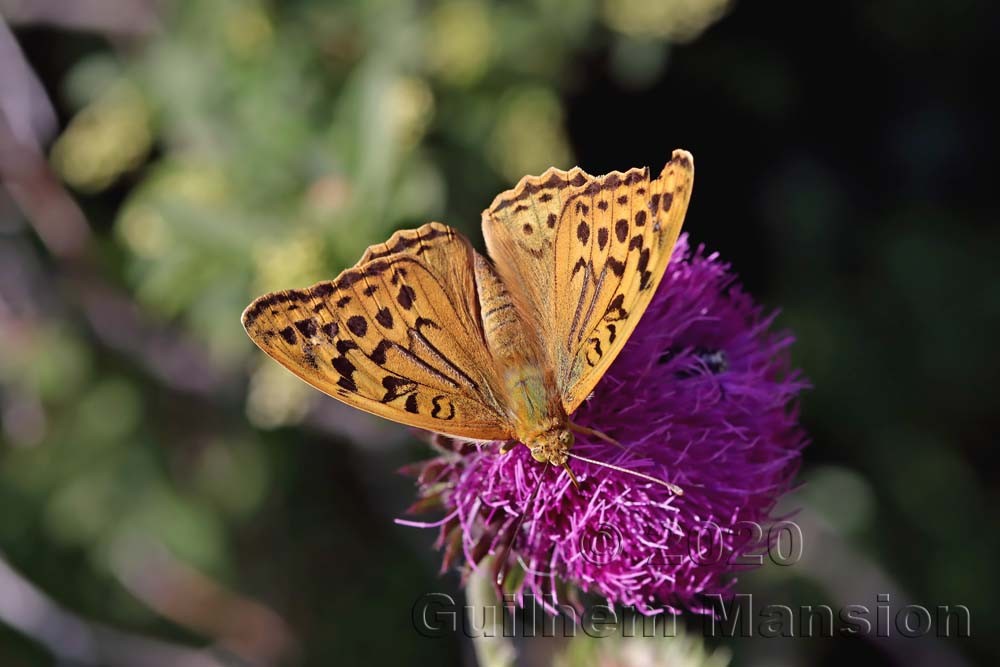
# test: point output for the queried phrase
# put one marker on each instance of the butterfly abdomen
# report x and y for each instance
(531, 393)
(510, 340)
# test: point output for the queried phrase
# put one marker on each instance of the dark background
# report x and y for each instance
(159, 478)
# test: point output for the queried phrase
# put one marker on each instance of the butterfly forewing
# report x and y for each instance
(398, 335)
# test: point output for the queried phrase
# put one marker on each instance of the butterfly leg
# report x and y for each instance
(597, 434)
(498, 574)
(572, 477)
(499, 570)
(506, 447)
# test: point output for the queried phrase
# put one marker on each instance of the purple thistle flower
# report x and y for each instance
(702, 396)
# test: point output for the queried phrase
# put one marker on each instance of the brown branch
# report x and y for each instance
(68, 637)
(121, 17)
(187, 597)
(52, 212)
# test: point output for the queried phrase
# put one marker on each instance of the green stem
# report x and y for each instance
(492, 648)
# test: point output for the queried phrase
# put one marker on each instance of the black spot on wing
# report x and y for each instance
(641, 268)
(615, 311)
(406, 297)
(345, 369)
(307, 327)
(441, 403)
(636, 176)
(396, 387)
(384, 317)
(621, 230)
(378, 354)
(348, 278)
(357, 325)
(668, 200)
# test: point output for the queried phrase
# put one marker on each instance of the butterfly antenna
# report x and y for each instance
(597, 434)
(676, 490)
(499, 565)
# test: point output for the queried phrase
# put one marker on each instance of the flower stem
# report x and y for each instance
(492, 648)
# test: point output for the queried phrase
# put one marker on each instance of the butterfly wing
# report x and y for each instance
(583, 257)
(398, 335)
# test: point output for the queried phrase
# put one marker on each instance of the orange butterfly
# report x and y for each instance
(427, 332)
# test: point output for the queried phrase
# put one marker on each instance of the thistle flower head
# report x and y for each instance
(702, 396)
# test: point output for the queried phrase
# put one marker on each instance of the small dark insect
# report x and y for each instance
(714, 361)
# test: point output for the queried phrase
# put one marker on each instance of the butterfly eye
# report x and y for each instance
(538, 454)
(566, 437)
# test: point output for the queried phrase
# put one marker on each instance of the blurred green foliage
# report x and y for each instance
(247, 146)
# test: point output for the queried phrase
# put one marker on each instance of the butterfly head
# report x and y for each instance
(552, 446)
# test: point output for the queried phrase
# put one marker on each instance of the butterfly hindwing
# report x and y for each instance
(520, 231)
(600, 262)
(398, 335)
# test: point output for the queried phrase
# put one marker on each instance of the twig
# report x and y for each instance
(70, 638)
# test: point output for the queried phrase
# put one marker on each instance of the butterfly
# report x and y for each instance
(427, 332)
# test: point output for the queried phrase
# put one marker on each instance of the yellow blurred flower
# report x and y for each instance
(412, 104)
(105, 139)
(529, 136)
(459, 41)
(248, 32)
(676, 20)
(276, 397)
(296, 262)
(144, 231)
(198, 183)
(142, 225)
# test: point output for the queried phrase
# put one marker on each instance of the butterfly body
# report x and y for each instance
(531, 397)
(427, 332)
(541, 423)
